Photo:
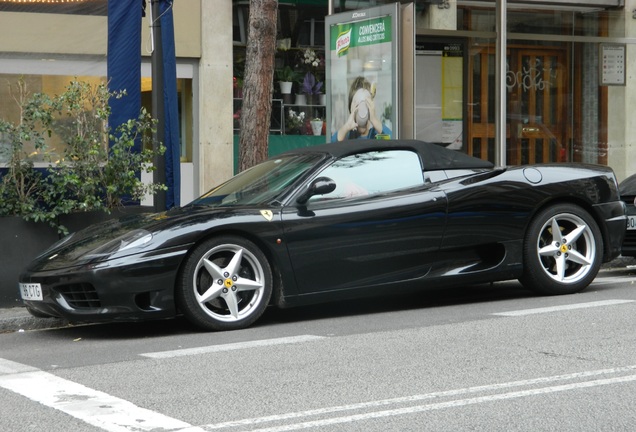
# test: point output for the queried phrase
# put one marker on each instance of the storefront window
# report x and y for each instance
(299, 64)
(55, 84)
(557, 102)
(10, 97)
(186, 115)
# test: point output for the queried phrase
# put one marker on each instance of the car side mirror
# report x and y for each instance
(320, 186)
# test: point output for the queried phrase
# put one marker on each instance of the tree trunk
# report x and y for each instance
(257, 84)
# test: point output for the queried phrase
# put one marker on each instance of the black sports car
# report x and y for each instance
(627, 190)
(336, 221)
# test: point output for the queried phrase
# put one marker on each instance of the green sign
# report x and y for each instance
(362, 33)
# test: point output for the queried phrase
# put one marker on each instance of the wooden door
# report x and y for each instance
(537, 125)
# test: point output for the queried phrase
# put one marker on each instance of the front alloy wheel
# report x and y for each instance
(562, 251)
(225, 284)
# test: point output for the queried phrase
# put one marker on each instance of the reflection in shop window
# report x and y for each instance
(185, 104)
(56, 84)
(10, 111)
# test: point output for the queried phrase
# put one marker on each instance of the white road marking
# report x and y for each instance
(117, 415)
(443, 405)
(600, 280)
(432, 406)
(563, 307)
(91, 406)
(232, 346)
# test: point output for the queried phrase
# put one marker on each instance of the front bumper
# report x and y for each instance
(132, 288)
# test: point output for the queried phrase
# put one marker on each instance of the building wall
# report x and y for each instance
(76, 45)
(53, 33)
(203, 33)
(82, 34)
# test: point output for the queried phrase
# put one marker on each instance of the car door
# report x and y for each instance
(381, 225)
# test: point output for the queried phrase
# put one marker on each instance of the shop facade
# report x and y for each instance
(542, 81)
(514, 82)
(48, 44)
(556, 85)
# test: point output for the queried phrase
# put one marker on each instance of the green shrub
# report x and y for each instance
(97, 168)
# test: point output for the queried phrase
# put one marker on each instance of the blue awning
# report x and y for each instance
(124, 73)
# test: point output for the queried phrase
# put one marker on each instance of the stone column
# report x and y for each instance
(438, 17)
(215, 143)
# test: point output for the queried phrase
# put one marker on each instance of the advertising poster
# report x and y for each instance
(361, 73)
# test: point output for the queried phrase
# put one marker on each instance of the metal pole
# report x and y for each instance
(158, 107)
(500, 83)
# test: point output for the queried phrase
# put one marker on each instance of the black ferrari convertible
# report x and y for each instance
(337, 221)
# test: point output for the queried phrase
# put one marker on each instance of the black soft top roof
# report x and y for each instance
(433, 156)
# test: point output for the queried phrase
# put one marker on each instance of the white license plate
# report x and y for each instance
(631, 222)
(31, 291)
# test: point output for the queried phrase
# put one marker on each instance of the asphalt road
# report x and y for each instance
(481, 358)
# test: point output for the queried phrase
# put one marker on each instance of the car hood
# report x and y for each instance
(133, 234)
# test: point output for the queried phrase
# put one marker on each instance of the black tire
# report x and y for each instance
(235, 276)
(564, 262)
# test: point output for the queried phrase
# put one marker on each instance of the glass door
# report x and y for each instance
(537, 125)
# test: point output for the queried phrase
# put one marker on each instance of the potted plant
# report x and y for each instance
(286, 77)
(295, 122)
(313, 64)
(311, 87)
(316, 126)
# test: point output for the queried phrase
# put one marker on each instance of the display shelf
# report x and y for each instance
(310, 110)
(277, 118)
(280, 111)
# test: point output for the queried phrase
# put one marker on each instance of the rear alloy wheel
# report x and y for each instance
(225, 284)
(562, 251)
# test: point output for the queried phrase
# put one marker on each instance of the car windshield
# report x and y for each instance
(261, 183)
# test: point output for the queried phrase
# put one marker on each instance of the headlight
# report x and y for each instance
(57, 244)
(131, 240)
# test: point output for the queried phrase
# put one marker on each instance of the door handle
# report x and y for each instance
(530, 129)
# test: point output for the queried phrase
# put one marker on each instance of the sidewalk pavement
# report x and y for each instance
(16, 319)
